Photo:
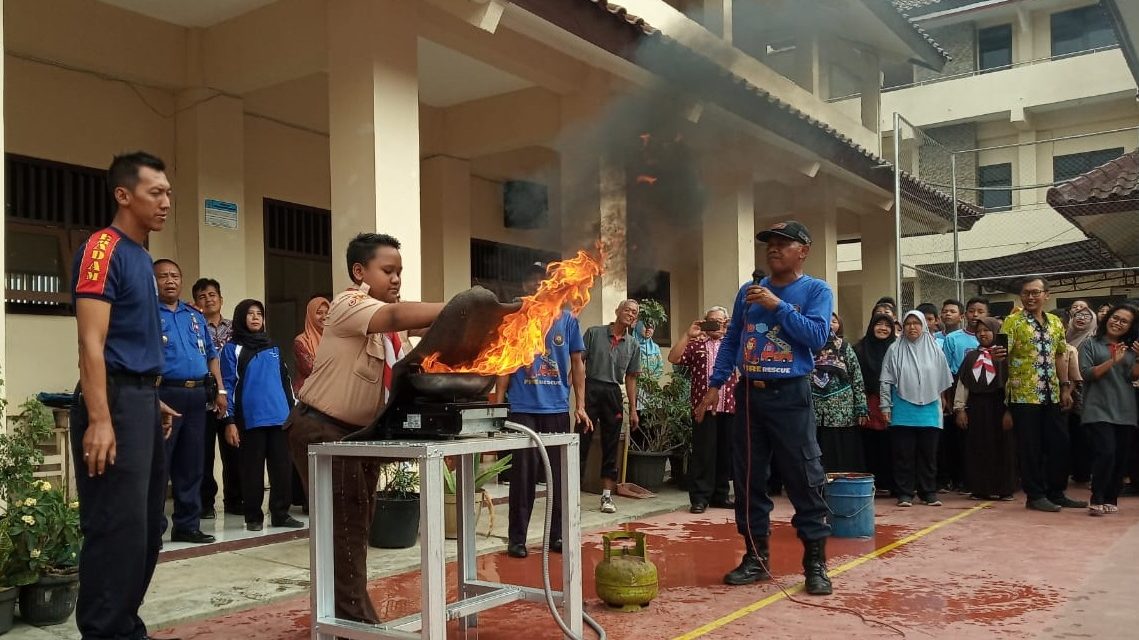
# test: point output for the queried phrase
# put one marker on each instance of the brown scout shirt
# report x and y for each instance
(347, 376)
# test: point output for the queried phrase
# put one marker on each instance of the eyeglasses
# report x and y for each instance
(1119, 320)
(1033, 293)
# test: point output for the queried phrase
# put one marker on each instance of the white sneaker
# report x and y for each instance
(607, 505)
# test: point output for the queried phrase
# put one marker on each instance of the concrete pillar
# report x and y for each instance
(815, 207)
(871, 94)
(879, 254)
(718, 18)
(446, 226)
(373, 99)
(3, 241)
(728, 242)
(210, 161)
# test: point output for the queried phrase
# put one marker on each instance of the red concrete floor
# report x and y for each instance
(995, 572)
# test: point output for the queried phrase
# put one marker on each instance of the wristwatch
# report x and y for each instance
(223, 392)
(1066, 383)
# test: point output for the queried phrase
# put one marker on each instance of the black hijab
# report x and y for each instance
(251, 341)
(871, 351)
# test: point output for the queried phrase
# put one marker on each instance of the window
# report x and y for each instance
(897, 75)
(995, 175)
(1081, 29)
(994, 48)
(51, 209)
(501, 267)
(1071, 165)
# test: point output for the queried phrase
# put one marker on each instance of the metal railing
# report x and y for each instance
(977, 72)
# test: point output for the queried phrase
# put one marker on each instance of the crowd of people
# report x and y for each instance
(929, 401)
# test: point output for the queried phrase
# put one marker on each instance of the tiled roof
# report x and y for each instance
(621, 13)
(909, 5)
(998, 272)
(899, 21)
(1112, 186)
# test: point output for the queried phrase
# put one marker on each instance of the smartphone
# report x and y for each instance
(1001, 340)
(710, 325)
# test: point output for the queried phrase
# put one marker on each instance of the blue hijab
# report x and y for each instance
(652, 362)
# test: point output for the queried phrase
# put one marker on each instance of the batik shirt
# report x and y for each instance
(220, 332)
(1033, 348)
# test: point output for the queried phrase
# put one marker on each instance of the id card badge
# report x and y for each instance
(201, 347)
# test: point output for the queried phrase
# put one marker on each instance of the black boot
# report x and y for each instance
(815, 567)
(754, 566)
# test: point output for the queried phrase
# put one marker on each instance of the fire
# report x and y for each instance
(522, 334)
(646, 179)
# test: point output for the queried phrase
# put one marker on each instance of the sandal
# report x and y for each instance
(1110, 508)
(1096, 510)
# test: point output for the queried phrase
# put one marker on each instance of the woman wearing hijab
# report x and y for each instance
(258, 382)
(1109, 366)
(840, 402)
(871, 351)
(652, 366)
(914, 374)
(1081, 326)
(979, 406)
(305, 344)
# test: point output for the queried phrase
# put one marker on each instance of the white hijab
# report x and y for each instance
(917, 368)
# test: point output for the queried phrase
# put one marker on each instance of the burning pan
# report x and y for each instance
(451, 386)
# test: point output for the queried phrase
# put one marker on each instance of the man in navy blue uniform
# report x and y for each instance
(777, 326)
(117, 421)
(539, 399)
(190, 357)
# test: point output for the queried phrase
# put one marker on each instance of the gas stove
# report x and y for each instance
(427, 419)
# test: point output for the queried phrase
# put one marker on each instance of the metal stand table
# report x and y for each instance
(474, 595)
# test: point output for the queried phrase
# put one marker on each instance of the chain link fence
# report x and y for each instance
(975, 220)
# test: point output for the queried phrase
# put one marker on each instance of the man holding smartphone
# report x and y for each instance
(777, 326)
(710, 465)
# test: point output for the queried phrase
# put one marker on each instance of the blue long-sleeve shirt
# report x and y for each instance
(262, 399)
(770, 345)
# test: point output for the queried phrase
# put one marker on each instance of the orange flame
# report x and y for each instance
(646, 179)
(522, 334)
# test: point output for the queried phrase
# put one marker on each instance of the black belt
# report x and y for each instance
(775, 383)
(125, 378)
(184, 384)
(307, 410)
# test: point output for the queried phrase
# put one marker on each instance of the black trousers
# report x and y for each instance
(1081, 448)
(710, 464)
(915, 461)
(184, 451)
(120, 513)
(950, 454)
(1042, 444)
(606, 409)
(879, 457)
(1111, 446)
(526, 470)
(230, 467)
(778, 422)
(260, 448)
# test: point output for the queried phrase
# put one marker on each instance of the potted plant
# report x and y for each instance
(20, 456)
(44, 529)
(664, 418)
(395, 523)
(482, 476)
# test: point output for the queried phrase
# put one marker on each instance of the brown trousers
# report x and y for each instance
(353, 501)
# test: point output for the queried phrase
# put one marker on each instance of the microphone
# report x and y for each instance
(757, 276)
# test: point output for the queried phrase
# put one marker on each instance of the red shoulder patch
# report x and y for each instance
(96, 262)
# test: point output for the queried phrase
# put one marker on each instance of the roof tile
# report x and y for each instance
(1112, 181)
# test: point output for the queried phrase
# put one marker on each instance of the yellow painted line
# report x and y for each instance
(798, 588)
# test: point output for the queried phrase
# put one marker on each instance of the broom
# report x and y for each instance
(629, 489)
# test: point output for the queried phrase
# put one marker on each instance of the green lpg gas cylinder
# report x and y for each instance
(625, 578)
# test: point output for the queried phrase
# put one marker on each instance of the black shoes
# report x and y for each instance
(1042, 504)
(1068, 503)
(815, 567)
(753, 567)
(699, 507)
(254, 526)
(288, 522)
(518, 550)
(209, 514)
(194, 537)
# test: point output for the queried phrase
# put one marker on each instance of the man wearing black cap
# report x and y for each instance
(777, 326)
